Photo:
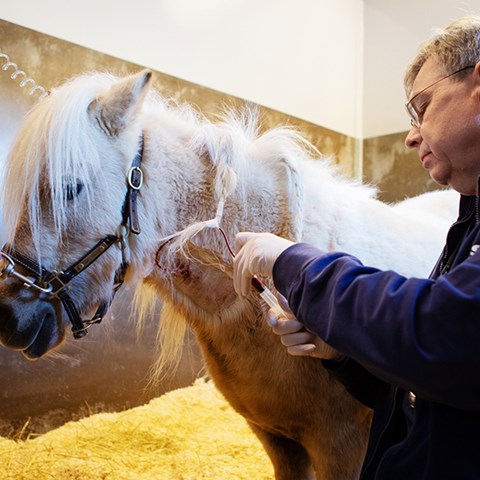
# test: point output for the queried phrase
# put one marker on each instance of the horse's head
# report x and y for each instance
(66, 193)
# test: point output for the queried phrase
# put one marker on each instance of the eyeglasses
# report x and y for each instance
(413, 112)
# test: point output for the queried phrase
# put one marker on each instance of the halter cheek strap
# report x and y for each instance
(134, 183)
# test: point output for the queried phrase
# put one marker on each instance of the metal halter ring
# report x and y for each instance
(7, 269)
(135, 178)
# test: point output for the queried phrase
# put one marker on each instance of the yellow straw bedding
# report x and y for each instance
(187, 434)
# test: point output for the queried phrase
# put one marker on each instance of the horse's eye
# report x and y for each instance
(72, 190)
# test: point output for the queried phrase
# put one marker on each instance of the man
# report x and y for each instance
(408, 348)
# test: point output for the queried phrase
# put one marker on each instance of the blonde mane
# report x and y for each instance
(62, 150)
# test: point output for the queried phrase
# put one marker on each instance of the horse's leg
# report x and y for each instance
(289, 459)
(337, 465)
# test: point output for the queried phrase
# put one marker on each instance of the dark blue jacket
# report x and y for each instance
(412, 347)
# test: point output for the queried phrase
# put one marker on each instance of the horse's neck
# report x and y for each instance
(179, 193)
(192, 266)
(178, 189)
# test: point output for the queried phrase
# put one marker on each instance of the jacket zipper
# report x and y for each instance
(447, 258)
(382, 433)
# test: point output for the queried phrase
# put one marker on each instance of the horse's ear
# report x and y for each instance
(115, 108)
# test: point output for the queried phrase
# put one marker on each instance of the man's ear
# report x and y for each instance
(118, 106)
(476, 74)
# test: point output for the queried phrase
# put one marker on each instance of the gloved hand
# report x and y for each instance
(256, 254)
(298, 340)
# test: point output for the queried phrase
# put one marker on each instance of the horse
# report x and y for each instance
(108, 182)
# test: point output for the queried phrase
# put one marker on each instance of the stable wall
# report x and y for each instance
(302, 57)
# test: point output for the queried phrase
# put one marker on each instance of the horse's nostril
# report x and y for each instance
(48, 336)
(25, 326)
(7, 321)
(5, 313)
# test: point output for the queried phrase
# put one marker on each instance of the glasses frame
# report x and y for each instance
(412, 113)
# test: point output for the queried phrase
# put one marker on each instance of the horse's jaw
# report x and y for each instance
(200, 285)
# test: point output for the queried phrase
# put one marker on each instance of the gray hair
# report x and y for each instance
(456, 46)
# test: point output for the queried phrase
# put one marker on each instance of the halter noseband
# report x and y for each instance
(56, 284)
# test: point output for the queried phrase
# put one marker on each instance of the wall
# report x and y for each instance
(270, 52)
(333, 63)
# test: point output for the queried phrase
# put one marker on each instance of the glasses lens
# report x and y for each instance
(414, 122)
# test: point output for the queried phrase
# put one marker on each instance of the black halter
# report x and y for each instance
(57, 283)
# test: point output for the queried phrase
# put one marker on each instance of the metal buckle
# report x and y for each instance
(60, 286)
(8, 270)
(411, 398)
(135, 178)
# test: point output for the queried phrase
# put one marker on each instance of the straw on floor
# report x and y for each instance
(186, 434)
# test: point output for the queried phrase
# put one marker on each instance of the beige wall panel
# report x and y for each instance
(393, 169)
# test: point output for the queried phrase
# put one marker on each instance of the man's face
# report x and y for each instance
(448, 138)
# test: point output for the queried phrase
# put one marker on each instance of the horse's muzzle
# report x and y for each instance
(32, 328)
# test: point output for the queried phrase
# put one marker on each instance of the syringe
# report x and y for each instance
(268, 297)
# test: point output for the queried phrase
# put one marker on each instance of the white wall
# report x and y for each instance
(336, 63)
(302, 57)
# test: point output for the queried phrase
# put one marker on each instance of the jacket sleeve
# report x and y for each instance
(419, 334)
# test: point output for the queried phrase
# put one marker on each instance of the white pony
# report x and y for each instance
(71, 232)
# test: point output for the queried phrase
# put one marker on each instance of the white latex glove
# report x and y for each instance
(255, 255)
(294, 336)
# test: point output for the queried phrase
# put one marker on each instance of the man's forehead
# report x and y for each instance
(430, 72)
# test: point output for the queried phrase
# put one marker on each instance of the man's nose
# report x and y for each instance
(413, 138)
